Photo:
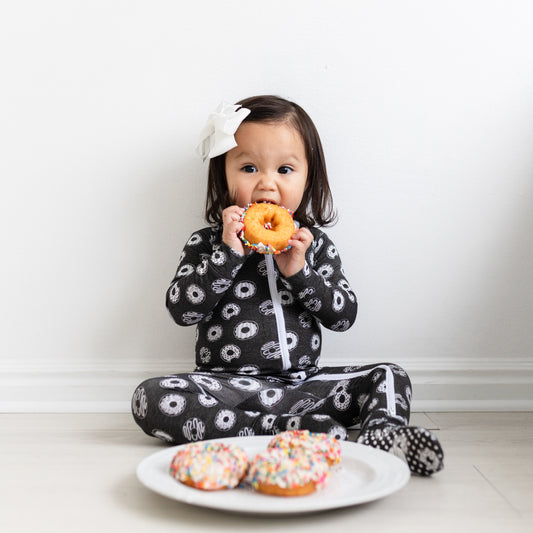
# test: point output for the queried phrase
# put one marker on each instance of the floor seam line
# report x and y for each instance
(498, 491)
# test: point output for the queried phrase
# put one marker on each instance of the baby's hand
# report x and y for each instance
(232, 225)
(291, 262)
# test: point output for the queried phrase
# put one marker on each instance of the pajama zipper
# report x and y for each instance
(278, 312)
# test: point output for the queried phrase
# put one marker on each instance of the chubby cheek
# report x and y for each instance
(242, 202)
(295, 203)
(237, 192)
(242, 197)
(292, 201)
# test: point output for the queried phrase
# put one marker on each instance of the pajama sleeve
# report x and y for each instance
(321, 286)
(205, 272)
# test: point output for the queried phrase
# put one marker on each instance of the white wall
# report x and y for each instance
(426, 113)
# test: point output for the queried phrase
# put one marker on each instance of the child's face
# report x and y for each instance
(268, 163)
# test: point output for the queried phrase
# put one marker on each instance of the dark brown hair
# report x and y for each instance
(316, 207)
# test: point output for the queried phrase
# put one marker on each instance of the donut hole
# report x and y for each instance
(277, 220)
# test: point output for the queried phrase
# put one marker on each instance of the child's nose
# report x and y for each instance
(267, 180)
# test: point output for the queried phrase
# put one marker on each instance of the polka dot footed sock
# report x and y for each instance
(418, 447)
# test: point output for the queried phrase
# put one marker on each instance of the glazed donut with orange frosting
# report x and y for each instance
(320, 444)
(210, 465)
(278, 473)
(267, 227)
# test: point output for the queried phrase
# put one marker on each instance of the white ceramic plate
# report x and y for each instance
(364, 474)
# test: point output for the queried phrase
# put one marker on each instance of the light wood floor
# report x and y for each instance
(76, 472)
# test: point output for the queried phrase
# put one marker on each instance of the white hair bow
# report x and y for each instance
(218, 135)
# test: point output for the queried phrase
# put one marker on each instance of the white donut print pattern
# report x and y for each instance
(194, 240)
(220, 285)
(230, 352)
(245, 289)
(191, 317)
(245, 330)
(225, 419)
(194, 429)
(172, 404)
(195, 294)
(218, 258)
(173, 383)
(245, 383)
(139, 403)
(271, 350)
(206, 381)
(207, 401)
(174, 293)
(230, 310)
(270, 397)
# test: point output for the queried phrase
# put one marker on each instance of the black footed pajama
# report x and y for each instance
(257, 351)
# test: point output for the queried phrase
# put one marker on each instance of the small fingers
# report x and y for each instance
(232, 225)
(302, 238)
(232, 214)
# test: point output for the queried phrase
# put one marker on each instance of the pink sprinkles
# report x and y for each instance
(210, 465)
(277, 467)
(310, 442)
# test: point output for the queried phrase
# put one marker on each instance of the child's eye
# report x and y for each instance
(249, 169)
(284, 170)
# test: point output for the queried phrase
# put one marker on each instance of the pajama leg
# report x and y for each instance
(191, 407)
(370, 395)
(382, 395)
(200, 405)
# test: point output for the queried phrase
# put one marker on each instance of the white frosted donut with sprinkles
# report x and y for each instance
(278, 473)
(209, 465)
(320, 444)
(267, 227)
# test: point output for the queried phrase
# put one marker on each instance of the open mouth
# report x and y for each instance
(263, 201)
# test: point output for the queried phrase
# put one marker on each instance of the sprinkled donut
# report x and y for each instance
(278, 473)
(209, 465)
(267, 227)
(320, 444)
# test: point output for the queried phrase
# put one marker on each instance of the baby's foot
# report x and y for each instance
(418, 447)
